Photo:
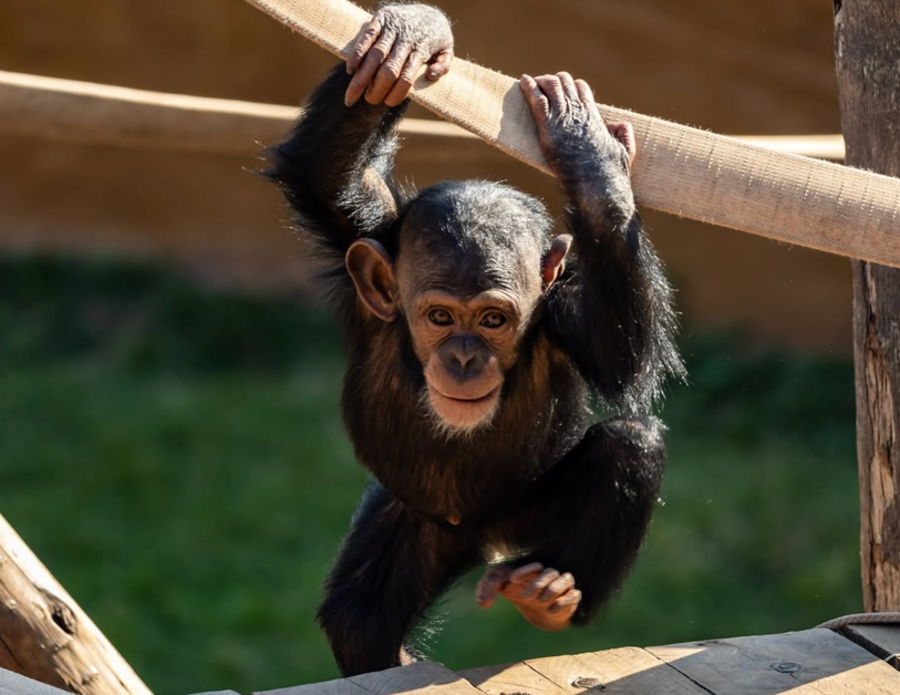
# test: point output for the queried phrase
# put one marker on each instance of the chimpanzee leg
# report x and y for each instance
(592, 509)
(391, 567)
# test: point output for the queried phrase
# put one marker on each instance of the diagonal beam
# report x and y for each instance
(46, 636)
(680, 170)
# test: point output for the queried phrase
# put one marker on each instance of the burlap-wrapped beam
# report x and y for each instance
(74, 111)
(49, 108)
(684, 171)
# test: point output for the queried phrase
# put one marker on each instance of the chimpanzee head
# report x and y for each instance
(473, 262)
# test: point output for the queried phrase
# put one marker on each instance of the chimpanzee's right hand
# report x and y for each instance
(390, 49)
(591, 158)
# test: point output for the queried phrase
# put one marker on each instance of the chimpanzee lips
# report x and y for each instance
(463, 413)
(467, 399)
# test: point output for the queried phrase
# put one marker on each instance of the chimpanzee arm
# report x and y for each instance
(336, 167)
(612, 312)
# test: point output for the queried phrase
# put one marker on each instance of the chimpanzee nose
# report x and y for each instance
(464, 352)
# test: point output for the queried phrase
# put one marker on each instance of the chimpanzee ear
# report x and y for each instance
(554, 262)
(372, 271)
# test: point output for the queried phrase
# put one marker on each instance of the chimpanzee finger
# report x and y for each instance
(569, 89)
(585, 93)
(362, 43)
(364, 74)
(537, 585)
(489, 585)
(388, 74)
(522, 572)
(624, 133)
(440, 66)
(567, 602)
(558, 586)
(537, 100)
(552, 87)
(404, 82)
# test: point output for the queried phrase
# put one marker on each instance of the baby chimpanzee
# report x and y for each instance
(476, 343)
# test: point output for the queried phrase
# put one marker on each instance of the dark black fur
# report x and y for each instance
(540, 481)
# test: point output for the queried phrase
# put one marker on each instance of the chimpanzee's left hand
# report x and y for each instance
(580, 147)
(390, 49)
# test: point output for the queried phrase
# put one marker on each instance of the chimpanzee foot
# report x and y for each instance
(544, 597)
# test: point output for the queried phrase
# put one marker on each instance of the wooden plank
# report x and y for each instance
(567, 672)
(813, 662)
(628, 670)
(882, 640)
(335, 687)
(422, 678)
(511, 678)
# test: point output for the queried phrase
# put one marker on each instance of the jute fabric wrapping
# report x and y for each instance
(685, 171)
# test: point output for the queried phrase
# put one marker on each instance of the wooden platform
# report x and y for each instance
(813, 662)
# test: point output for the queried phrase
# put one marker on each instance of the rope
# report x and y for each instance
(683, 171)
(861, 619)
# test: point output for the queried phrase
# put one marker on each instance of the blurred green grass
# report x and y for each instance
(176, 458)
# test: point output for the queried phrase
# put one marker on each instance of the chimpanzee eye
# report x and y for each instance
(440, 317)
(493, 320)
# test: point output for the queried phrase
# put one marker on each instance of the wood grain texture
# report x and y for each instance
(813, 662)
(512, 678)
(423, 678)
(45, 634)
(867, 41)
(625, 671)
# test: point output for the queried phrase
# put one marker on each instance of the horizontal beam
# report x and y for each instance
(69, 110)
(85, 112)
(684, 171)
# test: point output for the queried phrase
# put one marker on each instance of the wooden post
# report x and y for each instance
(867, 48)
(45, 635)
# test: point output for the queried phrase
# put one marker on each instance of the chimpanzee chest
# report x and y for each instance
(478, 476)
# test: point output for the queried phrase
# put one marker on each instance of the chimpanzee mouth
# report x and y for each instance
(453, 416)
(490, 395)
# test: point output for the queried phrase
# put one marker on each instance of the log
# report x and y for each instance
(46, 636)
(867, 56)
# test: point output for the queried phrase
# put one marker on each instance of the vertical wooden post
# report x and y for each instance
(46, 636)
(867, 52)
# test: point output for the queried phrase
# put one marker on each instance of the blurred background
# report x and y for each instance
(170, 444)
